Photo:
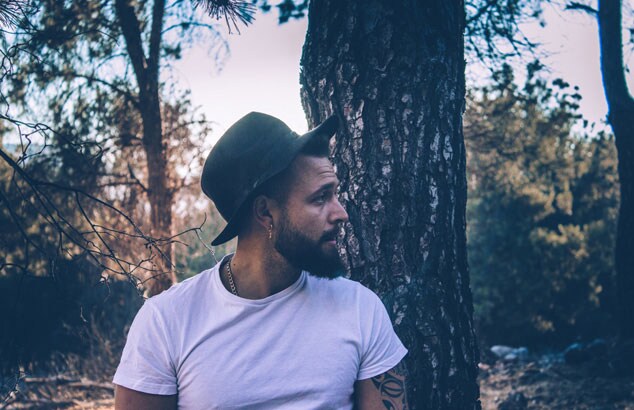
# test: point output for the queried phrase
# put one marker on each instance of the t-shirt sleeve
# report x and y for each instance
(381, 347)
(146, 363)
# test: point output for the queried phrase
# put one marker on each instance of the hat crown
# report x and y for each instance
(237, 161)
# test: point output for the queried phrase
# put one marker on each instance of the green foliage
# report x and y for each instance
(542, 212)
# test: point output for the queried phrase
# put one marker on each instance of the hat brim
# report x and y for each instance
(325, 129)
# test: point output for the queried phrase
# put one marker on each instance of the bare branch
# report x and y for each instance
(582, 7)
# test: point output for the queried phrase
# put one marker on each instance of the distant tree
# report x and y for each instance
(542, 213)
(96, 67)
(393, 72)
(609, 14)
(620, 115)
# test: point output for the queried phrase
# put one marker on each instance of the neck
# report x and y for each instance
(259, 270)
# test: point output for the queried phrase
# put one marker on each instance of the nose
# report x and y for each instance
(339, 213)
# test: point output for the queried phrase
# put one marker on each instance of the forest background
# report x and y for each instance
(86, 234)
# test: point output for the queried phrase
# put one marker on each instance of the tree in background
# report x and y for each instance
(542, 214)
(492, 19)
(94, 67)
(621, 112)
(394, 73)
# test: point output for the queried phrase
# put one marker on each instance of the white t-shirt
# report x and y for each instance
(301, 348)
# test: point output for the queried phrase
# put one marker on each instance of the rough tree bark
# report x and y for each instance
(620, 116)
(146, 70)
(394, 71)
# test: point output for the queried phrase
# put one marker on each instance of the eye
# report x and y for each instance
(322, 198)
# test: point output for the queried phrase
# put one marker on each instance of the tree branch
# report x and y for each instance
(581, 7)
(612, 67)
(155, 38)
(50, 211)
(91, 78)
(132, 34)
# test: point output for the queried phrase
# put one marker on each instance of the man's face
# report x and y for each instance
(308, 222)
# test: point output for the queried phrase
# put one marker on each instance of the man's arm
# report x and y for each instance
(127, 399)
(385, 391)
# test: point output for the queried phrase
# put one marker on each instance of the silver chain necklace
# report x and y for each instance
(232, 285)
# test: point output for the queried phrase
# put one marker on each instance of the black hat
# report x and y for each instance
(254, 149)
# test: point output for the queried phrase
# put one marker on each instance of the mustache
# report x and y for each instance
(330, 235)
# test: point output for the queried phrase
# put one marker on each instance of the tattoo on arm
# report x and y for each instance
(391, 387)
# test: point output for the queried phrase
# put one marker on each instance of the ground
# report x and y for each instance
(542, 383)
(553, 384)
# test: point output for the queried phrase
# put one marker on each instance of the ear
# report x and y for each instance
(264, 210)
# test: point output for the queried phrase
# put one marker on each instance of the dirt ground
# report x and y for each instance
(61, 392)
(553, 385)
(531, 385)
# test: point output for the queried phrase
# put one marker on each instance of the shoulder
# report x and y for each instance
(170, 313)
(183, 295)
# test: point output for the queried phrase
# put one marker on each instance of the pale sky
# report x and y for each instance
(262, 72)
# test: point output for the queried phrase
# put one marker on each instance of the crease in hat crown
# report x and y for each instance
(253, 150)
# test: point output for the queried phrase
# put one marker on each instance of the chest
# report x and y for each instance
(299, 356)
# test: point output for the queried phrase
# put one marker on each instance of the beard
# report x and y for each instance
(307, 254)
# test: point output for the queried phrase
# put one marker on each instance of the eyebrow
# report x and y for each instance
(329, 185)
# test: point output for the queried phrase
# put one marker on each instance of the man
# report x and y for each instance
(272, 326)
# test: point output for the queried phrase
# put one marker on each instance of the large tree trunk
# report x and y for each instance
(160, 195)
(621, 118)
(394, 71)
